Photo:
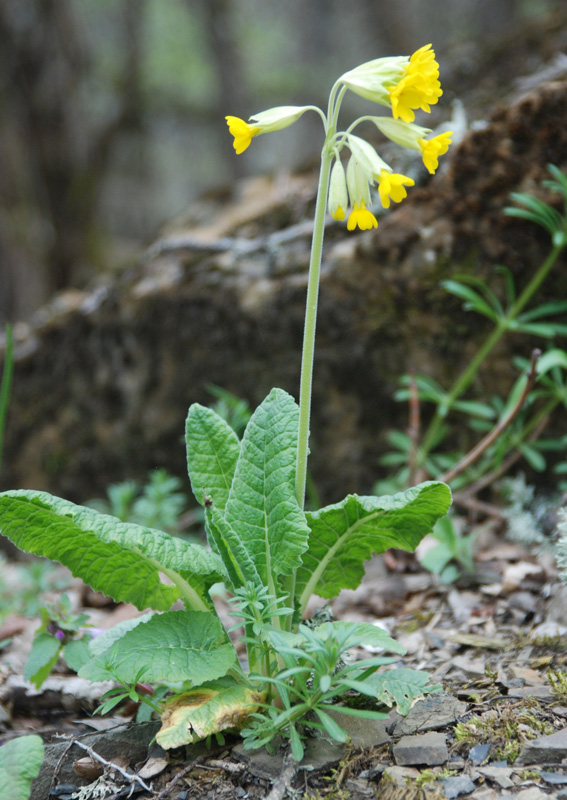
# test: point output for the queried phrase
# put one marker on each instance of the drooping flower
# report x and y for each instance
(338, 195)
(243, 133)
(358, 182)
(274, 119)
(391, 186)
(431, 149)
(363, 218)
(371, 80)
(419, 87)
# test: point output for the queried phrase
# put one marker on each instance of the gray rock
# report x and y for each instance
(554, 778)
(550, 749)
(433, 712)
(131, 741)
(500, 775)
(479, 753)
(458, 785)
(363, 732)
(429, 749)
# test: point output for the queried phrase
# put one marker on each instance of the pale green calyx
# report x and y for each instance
(274, 119)
(373, 79)
(406, 134)
(338, 194)
(367, 157)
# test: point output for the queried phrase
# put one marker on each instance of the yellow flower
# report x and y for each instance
(391, 186)
(243, 133)
(431, 149)
(423, 61)
(419, 87)
(362, 217)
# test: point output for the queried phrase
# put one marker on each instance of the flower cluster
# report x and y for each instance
(400, 83)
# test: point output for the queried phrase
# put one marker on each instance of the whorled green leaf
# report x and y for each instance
(176, 646)
(402, 687)
(360, 633)
(203, 711)
(345, 535)
(262, 507)
(123, 560)
(212, 453)
(20, 762)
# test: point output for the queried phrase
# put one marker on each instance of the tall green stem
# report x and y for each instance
(310, 325)
(468, 375)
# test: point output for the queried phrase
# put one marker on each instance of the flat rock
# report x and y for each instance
(433, 712)
(550, 749)
(458, 785)
(500, 775)
(429, 749)
(363, 732)
(401, 775)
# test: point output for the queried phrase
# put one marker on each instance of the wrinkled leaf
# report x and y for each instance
(176, 646)
(20, 762)
(212, 453)
(402, 687)
(262, 507)
(201, 712)
(121, 559)
(345, 535)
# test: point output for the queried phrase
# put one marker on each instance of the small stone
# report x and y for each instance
(458, 785)
(62, 789)
(478, 754)
(401, 775)
(550, 749)
(554, 778)
(500, 775)
(533, 793)
(429, 749)
(434, 711)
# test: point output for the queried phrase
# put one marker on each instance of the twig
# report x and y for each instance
(284, 779)
(508, 462)
(165, 791)
(129, 776)
(474, 454)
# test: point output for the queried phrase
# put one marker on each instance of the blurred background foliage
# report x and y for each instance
(111, 111)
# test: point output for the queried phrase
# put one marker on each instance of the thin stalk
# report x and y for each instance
(307, 358)
(468, 375)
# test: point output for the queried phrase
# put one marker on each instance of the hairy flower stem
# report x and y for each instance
(468, 375)
(310, 325)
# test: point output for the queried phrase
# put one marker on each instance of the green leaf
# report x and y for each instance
(262, 507)
(42, 658)
(104, 641)
(204, 711)
(212, 453)
(333, 728)
(239, 565)
(402, 687)
(123, 560)
(76, 653)
(359, 633)
(20, 762)
(176, 646)
(345, 535)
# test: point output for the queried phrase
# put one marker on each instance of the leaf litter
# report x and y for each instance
(495, 641)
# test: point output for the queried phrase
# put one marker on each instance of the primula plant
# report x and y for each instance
(270, 553)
